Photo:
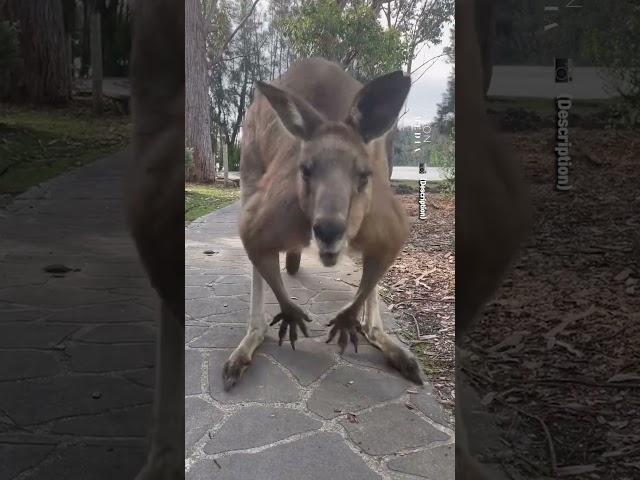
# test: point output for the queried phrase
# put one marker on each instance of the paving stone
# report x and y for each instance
(322, 293)
(35, 401)
(391, 429)
(307, 362)
(132, 422)
(300, 296)
(320, 456)
(427, 404)
(262, 382)
(82, 281)
(95, 462)
(16, 365)
(53, 296)
(192, 372)
(210, 263)
(368, 356)
(191, 293)
(200, 416)
(191, 332)
(22, 315)
(350, 389)
(27, 335)
(221, 336)
(199, 280)
(93, 358)
(215, 306)
(145, 377)
(103, 269)
(434, 464)
(118, 334)
(226, 289)
(234, 279)
(326, 307)
(318, 283)
(258, 426)
(23, 456)
(106, 313)
(342, 297)
(234, 317)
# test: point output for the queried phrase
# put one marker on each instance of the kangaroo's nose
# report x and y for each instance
(328, 231)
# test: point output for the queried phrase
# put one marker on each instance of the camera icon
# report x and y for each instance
(563, 70)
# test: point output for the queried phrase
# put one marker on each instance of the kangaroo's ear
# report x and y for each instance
(376, 106)
(296, 114)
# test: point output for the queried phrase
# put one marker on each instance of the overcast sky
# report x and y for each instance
(426, 93)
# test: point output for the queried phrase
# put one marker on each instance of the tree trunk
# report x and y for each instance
(197, 119)
(225, 163)
(96, 61)
(43, 74)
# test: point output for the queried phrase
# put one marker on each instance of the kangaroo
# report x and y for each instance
(492, 207)
(156, 215)
(315, 164)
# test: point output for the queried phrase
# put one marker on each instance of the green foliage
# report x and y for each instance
(522, 40)
(412, 146)
(614, 48)
(8, 51)
(234, 158)
(8, 45)
(444, 156)
(351, 36)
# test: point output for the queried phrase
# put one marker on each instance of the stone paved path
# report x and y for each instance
(76, 350)
(304, 414)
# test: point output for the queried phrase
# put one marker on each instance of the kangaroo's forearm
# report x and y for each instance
(268, 264)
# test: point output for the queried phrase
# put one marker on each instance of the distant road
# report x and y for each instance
(433, 174)
(539, 82)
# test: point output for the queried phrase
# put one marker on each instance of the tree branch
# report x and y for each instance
(233, 34)
(433, 59)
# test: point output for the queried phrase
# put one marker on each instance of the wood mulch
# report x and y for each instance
(419, 289)
(556, 354)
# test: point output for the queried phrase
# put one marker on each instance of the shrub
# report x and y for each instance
(8, 52)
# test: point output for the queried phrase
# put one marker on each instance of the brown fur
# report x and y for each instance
(269, 167)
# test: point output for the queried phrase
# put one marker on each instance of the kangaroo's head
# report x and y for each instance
(335, 161)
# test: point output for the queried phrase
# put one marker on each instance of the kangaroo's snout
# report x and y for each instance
(329, 231)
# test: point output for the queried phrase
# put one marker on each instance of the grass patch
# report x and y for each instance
(202, 199)
(421, 352)
(37, 144)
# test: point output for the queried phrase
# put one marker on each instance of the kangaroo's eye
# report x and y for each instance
(363, 179)
(306, 171)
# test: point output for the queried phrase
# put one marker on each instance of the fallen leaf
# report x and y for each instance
(624, 377)
(488, 398)
(575, 470)
(623, 275)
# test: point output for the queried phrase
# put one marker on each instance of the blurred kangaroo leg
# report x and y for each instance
(156, 213)
(491, 207)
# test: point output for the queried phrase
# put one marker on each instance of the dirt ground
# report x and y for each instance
(419, 288)
(556, 355)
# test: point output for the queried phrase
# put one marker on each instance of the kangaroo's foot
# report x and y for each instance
(291, 317)
(347, 325)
